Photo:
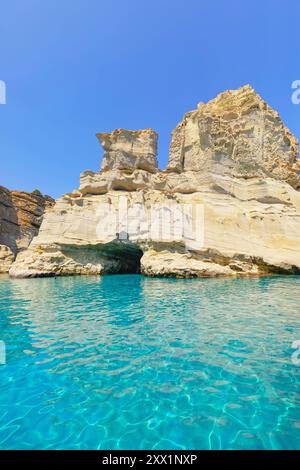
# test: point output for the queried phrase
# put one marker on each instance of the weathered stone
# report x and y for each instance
(129, 150)
(233, 156)
(236, 134)
(6, 258)
(21, 215)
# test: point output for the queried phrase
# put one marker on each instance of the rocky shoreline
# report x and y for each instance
(232, 156)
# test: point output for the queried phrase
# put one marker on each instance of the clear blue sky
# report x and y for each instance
(77, 67)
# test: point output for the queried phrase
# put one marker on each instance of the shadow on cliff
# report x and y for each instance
(9, 225)
(116, 257)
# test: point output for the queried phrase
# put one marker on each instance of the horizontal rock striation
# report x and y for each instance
(21, 215)
(232, 161)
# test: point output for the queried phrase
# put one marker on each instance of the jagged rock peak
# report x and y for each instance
(236, 134)
(129, 150)
(232, 100)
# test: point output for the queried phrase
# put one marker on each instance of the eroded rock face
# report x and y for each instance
(236, 134)
(21, 215)
(129, 150)
(6, 258)
(232, 156)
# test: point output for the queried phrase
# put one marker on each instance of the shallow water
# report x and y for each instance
(128, 362)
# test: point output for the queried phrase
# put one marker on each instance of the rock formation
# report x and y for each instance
(236, 134)
(20, 218)
(232, 161)
(129, 150)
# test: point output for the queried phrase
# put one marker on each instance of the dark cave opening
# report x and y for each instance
(128, 257)
(131, 264)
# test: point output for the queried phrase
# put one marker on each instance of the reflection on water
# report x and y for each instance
(132, 362)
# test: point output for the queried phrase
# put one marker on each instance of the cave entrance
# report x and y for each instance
(131, 261)
(127, 255)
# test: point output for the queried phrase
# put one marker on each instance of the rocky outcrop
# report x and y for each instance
(20, 218)
(6, 258)
(129, 150)
(236, 134)
(228, 203)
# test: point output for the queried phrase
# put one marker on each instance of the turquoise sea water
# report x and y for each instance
(128, 362)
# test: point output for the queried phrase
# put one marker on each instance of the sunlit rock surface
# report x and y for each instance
(232, 156)
(21, 215)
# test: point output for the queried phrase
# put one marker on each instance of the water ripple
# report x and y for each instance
(125, 362)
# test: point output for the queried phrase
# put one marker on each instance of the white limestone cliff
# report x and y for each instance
(232, 156)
